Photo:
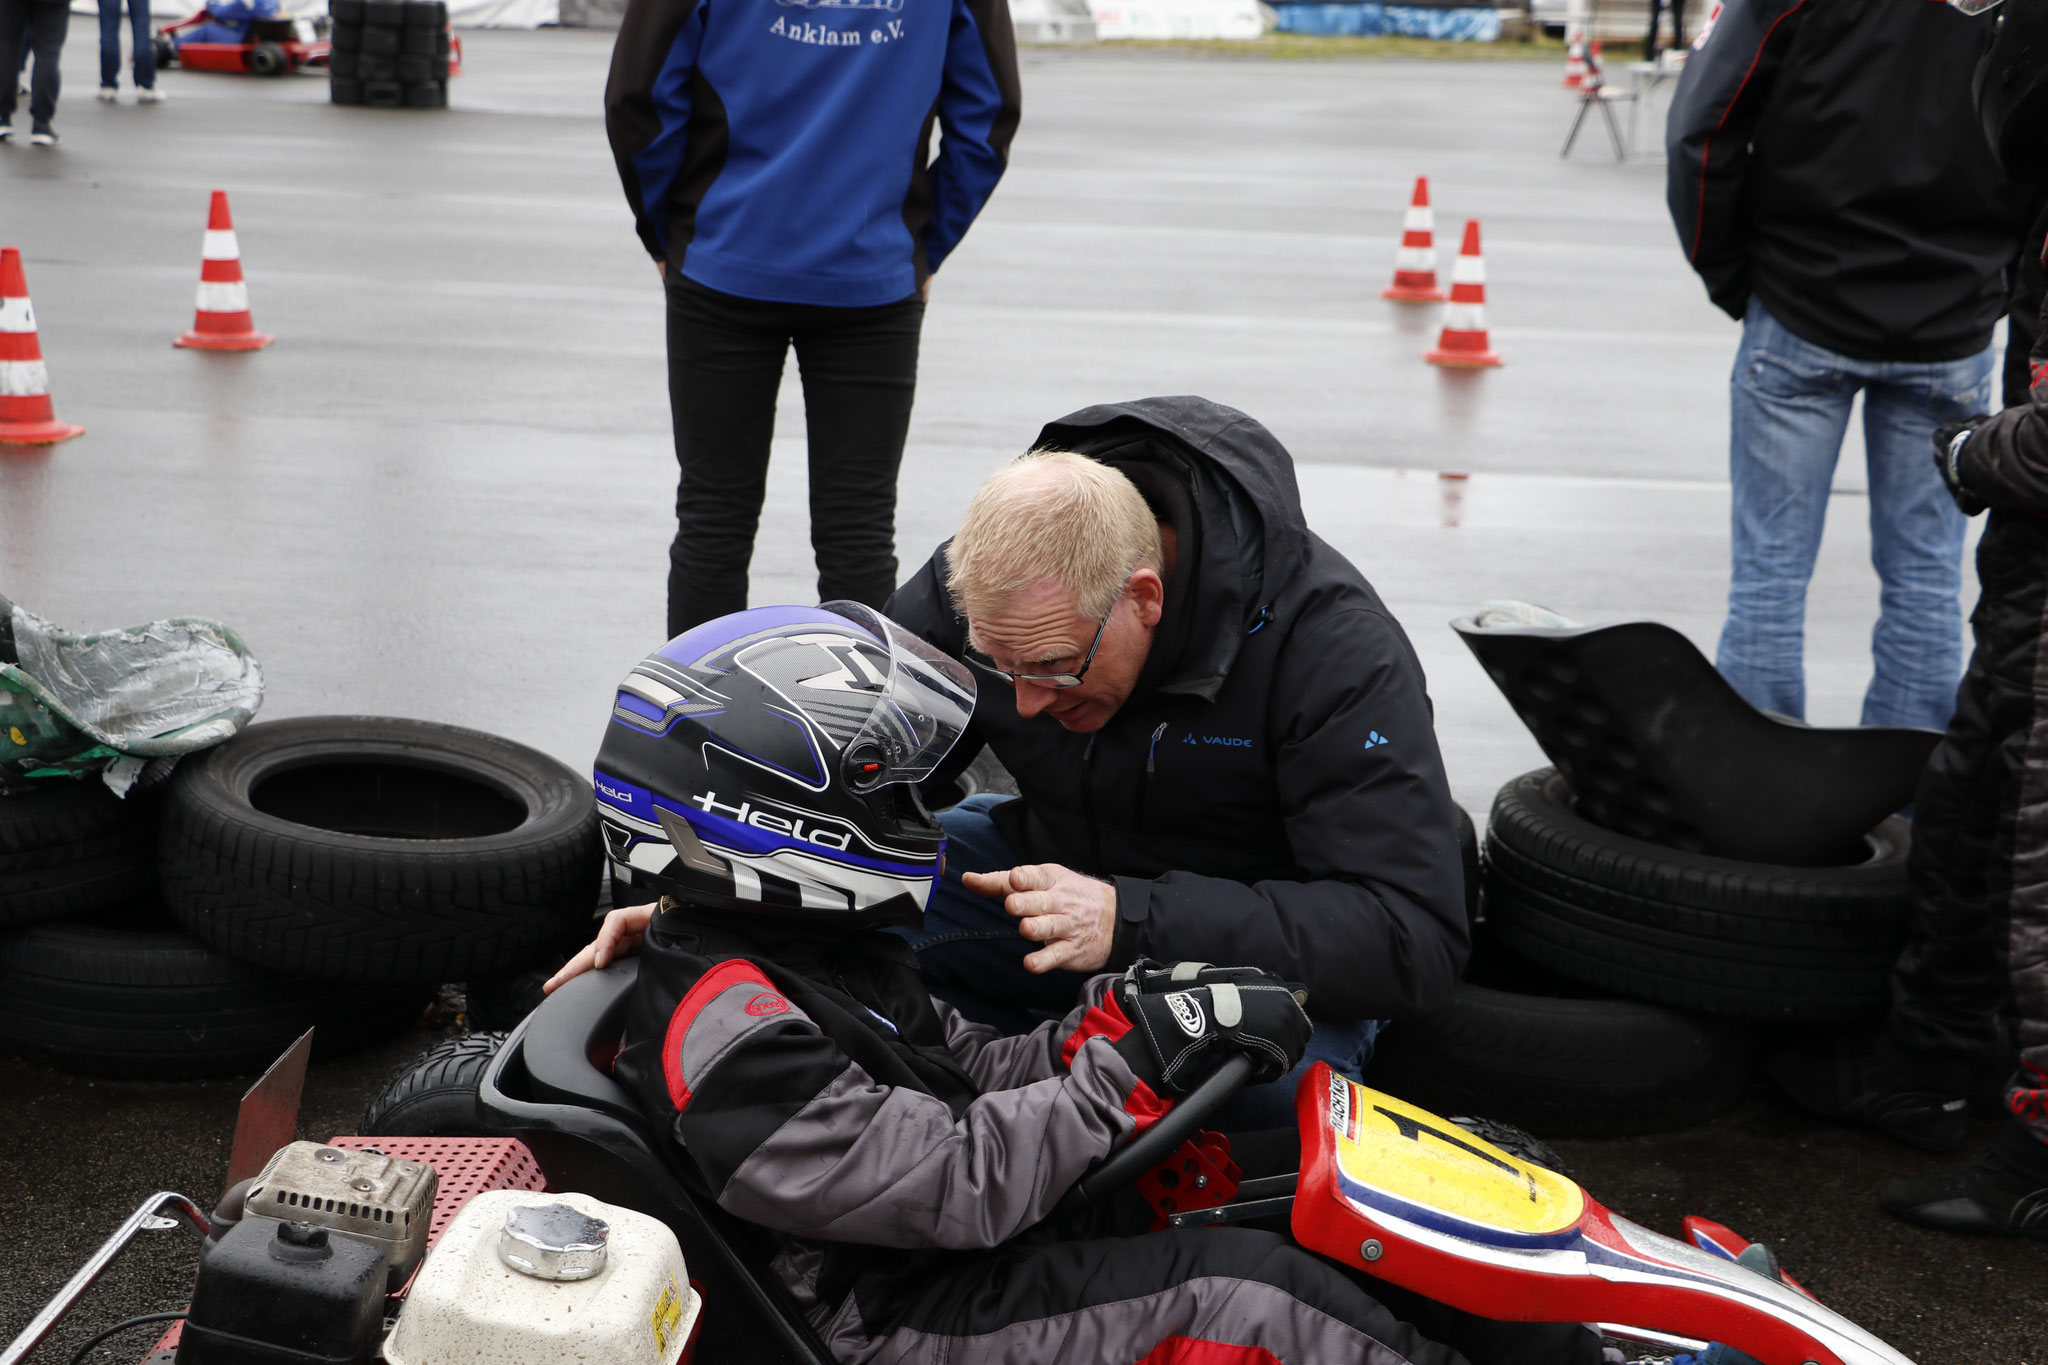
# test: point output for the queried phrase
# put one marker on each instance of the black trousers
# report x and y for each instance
(725, 354)
(1677, 9)
(1978, 942)
(36, 26)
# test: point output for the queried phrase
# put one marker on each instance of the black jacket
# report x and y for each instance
(1271, 793)
(1824, 156)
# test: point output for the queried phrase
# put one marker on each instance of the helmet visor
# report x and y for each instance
(925, 704)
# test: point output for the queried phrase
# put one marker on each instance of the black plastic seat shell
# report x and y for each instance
(1659, 746)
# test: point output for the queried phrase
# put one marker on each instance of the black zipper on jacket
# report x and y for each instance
(1145, 787)
(1088, 804)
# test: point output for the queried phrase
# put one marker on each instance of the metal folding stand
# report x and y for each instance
(1595, 92)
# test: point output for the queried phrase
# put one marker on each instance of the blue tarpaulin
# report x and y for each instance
(1372, 20)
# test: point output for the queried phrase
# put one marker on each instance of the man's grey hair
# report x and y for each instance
(1052, 515)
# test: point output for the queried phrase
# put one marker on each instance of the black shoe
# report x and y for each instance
(42, 134)
(1988, 1197)
(1851, 1084)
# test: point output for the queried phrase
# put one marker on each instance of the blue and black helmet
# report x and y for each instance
(765, 763)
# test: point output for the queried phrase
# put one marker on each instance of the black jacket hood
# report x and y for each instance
(1254, 537)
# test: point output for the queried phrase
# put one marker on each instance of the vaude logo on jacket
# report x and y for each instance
(1186, 1013)
(887, 6)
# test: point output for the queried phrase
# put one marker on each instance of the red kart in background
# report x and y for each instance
(240, 37)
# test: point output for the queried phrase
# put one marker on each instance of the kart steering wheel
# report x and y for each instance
(1160, 1141)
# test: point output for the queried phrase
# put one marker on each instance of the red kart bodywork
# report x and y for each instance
(234, 57)
(1411, 1199)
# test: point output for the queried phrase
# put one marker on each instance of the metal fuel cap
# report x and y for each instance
(553, 1242)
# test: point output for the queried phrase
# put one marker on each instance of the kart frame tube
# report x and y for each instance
(145, 1219)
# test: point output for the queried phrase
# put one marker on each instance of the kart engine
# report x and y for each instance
(299, 1274)
(299, 1277)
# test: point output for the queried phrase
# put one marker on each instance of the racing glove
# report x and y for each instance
(1948, 450)
(1179, 1036)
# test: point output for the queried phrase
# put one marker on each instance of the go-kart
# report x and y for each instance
(1384, 1188)
(244, 36)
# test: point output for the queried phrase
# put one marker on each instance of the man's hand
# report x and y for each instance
(1072, 915)
(661, 269)
(924, 290)
(619, 936)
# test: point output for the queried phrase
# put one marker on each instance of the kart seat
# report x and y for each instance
(1657, 745)
(547, 1087)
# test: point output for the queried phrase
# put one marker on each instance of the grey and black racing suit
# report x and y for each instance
(905, 1161)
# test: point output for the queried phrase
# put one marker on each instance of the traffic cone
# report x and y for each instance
(26, 418)
(1462, 344)
(1596, 68)
(222, 321)
(1575, 60)
(1415, 262)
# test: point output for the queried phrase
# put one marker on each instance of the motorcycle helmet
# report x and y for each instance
(764, 763)
(2011, 86)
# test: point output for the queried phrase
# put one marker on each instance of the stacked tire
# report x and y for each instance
(327, 872)
(389, 54)
(1620, 987)
(1757, 941)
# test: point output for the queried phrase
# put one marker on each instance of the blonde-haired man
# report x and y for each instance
(1221, 738)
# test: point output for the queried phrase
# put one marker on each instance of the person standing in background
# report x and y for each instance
(110, 51)
(32, 26)
(1831, 187)
(778, 163)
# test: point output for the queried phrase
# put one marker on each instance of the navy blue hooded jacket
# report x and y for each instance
(780, 149)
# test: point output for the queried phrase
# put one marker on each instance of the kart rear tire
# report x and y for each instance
(140, 999)
(166, 53)
(435, 1095)
(69, 846)
(268, 59)
(1536, 1051)
(383, 851)
(1746, 940)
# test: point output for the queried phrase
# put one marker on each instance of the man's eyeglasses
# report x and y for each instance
(1049, 679)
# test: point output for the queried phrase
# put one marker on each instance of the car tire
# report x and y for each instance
(384, 851)
(1747, 940)
(268, 59)
(1523, 1045)
(435, 1095)
(69, 846)
(166, 53)
(142, 1000)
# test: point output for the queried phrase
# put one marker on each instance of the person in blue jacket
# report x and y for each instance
(777, 155)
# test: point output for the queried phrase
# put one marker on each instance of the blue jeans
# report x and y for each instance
(110, 44)
(972, 957)
(1789, 408)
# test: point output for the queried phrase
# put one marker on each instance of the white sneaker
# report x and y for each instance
(43, 135)
(6, 132)
(107, 94)
(149, 95)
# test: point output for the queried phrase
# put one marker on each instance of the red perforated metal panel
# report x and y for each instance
(467, 1167)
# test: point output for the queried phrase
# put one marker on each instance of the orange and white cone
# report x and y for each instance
(1462, 344)
(222, 320)
(1575, 60)
(1415, 262)
(26, 418)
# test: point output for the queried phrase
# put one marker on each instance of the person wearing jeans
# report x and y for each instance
(1832, 188)
(1790, 402)
(110, 50)
(38, 27)
(779, 167)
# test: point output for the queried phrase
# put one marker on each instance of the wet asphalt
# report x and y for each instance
(444, 492)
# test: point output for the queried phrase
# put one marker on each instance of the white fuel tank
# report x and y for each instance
(524, 1277)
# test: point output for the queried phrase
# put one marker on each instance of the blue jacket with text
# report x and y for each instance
(781, 149)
